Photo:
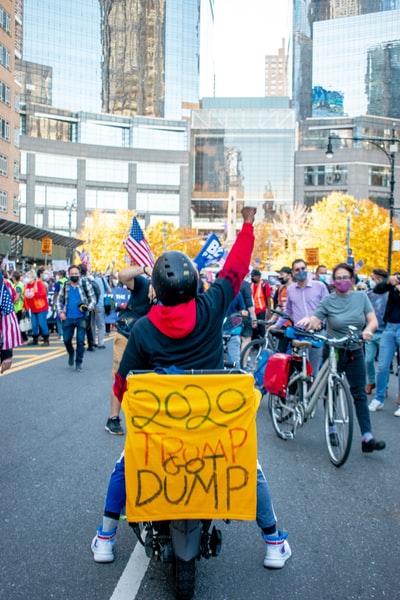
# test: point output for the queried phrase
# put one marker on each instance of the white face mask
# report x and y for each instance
(371, 283)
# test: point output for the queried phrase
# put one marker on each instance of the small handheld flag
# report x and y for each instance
(137, 246)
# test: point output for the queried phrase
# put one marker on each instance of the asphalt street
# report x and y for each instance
(344, 524)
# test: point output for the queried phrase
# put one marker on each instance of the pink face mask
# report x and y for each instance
(343, 285)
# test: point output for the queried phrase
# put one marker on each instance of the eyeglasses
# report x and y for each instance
(343, 278)
(299, 269)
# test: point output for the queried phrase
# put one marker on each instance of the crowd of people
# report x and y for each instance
(40, 305)
(173, 302)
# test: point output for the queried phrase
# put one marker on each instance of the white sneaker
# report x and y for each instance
(375, 405)
(397, 412)
(278, 550)
(103, 546)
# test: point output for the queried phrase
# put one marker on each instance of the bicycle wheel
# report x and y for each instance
(339, 421)
(287, 414)
(251, 353)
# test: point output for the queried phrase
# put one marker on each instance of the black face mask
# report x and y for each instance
(282, 280)
(74, 278)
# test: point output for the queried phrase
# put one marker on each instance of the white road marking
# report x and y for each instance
(130, 580)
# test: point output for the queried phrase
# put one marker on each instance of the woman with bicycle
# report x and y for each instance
(340, 309)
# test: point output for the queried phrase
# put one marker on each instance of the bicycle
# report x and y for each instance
(293, 394)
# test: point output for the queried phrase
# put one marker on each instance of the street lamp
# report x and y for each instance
(69, 207)
(356, 212)
(391, 156)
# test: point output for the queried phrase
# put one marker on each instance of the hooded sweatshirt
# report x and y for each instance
(189, 335)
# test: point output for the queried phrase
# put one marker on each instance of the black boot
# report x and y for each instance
(46, 340)
(35, 341)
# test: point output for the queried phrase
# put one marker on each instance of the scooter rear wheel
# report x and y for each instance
(184, 578)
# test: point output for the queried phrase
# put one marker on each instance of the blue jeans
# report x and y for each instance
(99, 315)
(371, 350)
(39, 320)
(69, 326)
(116, 496)
(233, 348)
(390, 340)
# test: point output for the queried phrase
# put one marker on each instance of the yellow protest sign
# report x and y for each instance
(191, 447)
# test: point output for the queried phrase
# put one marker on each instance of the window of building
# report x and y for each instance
(4, 93)
(4, 130)
(379, 176)
(16, 170)
(5, 20)
(311, 198)
(3, 201)
(333, 175)
(16, 137)
(5, 57)
(3, 165)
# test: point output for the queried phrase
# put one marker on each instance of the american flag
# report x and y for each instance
(137, 246)
(9, 328)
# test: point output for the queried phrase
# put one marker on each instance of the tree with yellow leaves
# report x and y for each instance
(339, 221)
(105, 235)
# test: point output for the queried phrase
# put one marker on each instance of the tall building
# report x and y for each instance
(344, 55)
(136, 57)
(10, 48)
(276, 73)
(134, 61)
(245, 144)
(151, 56)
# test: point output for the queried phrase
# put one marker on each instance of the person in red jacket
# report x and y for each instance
(184, 330)
(36, 301)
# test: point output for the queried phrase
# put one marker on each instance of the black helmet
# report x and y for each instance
(174, 278)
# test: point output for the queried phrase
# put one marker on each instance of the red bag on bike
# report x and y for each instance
(278, 369)
(276, 374)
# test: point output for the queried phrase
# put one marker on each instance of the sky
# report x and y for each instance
(245, 31)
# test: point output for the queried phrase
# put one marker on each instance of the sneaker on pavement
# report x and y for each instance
(78, 367)
(375, 405)
(103, 546)
(278, 550)
(372, 445)
(397, 412)
(113, 426)
(102, 347)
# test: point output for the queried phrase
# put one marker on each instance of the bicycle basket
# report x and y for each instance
(276, 374)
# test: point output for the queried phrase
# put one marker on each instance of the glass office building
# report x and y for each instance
(75, 146)
(356, 66)
(344, 22)
(62, 40)
(252, 139)
(128, 58)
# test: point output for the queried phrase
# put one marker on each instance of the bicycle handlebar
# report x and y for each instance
(351, 336)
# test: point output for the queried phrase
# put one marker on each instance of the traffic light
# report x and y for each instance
(286, 243)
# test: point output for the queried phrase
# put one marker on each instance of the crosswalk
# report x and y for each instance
(29, 356)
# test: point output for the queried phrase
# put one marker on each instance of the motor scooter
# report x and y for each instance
(180, 543)
(177, 475)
